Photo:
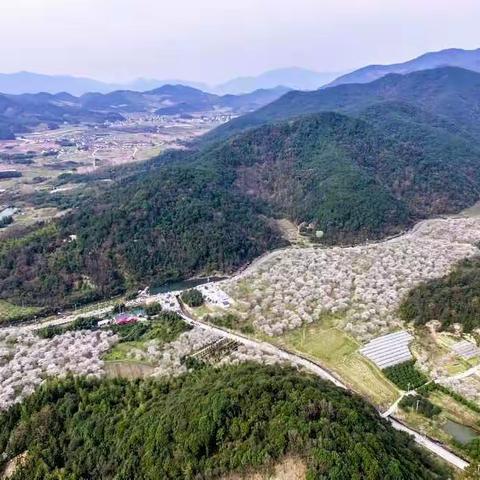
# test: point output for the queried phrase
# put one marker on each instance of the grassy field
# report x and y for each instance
(204, 310)
(128, 369)
(339, 353)
(9, 312)
(120, 351)
(455, 410)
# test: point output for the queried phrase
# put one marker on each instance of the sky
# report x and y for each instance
(215, 40)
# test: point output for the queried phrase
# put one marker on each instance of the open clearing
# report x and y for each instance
(455, 410)
(433, 350)
(433, 427)
(339, 352)
(120, 351)
(9, 311)
(289, 469)
(128, 369)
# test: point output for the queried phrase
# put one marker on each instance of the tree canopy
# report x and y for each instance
(203, 425)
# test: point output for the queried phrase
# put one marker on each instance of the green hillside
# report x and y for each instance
(211, 211)
(242, 418)
(450, 93)
(171, 224)
(455, 298)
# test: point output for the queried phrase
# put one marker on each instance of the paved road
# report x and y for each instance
(293, 358)
(267, 348)
(431, 445)
(317, 369)
(32, 326)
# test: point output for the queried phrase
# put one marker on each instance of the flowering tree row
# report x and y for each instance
(168, 359)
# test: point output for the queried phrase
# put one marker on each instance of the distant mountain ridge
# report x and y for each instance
(28, 82)
(290, 78)
(19, 113)
(453, 57)
(294, 77)
(448, 93)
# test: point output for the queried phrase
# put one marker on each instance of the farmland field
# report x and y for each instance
(434, 427)
(339, 352)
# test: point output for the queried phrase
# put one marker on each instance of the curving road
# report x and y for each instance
(292, 357)
(265, 347)
(318, 370)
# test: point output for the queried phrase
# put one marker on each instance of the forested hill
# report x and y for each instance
(213, 210)
(205, 425)
(450, 93)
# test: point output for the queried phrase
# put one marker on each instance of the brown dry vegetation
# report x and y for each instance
(290, 468)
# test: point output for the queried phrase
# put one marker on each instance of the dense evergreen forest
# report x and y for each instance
(454, 298)
(213, 209)
(203, 425)
(174, 223)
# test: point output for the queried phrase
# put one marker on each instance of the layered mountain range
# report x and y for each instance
(357, 162)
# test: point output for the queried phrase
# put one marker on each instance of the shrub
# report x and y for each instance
(166, 327)
(82, 323)
(119, 307)
(420, 404)
(153, 309)
(193, 298)
(227, 321)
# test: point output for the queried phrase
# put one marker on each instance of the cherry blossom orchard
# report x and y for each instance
(362, 285)
(169, 359)
(26, 360)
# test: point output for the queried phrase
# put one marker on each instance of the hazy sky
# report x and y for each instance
(214, 40)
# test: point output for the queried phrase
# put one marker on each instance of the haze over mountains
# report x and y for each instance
(291, 78)
(294, 78)
(29, 82)
(451, 93)
(453, 57)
